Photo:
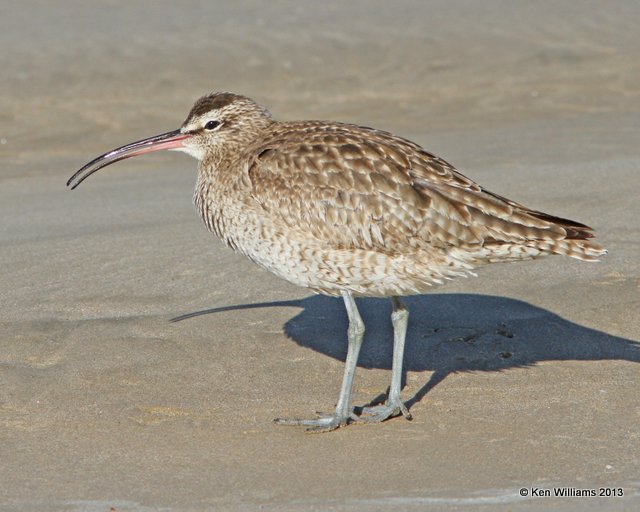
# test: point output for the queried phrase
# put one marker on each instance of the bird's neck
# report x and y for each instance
(222, 184)
(218, 195)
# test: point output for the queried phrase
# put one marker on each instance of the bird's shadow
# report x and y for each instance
(448, 333)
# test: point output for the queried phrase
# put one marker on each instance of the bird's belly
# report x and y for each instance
(303, 260)
(325, 266)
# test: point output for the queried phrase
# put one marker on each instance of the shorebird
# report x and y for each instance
(348, 211)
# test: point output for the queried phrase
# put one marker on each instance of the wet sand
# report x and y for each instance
(525, 377)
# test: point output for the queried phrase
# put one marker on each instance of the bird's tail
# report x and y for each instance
(577, 242)
(548, 235)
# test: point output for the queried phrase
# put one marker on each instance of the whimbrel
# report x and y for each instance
(347, 210)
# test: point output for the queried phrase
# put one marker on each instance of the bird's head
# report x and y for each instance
(217, 124)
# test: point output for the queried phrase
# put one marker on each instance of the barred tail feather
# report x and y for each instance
(577, 242)
(495, 251)
(585, 250)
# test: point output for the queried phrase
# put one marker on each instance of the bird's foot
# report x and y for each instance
(378, 413)
(323, 423)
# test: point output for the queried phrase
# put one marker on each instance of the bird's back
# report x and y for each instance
(356, 187)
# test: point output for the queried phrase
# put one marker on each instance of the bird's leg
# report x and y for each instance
(393, 405)
(343, 413)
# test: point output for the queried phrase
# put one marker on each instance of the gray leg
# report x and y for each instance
(393, 406)
(343, 412)
(355, 336)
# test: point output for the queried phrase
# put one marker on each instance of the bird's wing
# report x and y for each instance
(362, 188)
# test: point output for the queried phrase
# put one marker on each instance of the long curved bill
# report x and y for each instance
(169, 140)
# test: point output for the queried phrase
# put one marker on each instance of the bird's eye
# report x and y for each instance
(211, 125)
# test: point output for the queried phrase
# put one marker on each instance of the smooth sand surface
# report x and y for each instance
(525, 377)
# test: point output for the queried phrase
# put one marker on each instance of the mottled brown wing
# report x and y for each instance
(362, 188)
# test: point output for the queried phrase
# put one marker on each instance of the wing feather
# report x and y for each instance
(356, 187)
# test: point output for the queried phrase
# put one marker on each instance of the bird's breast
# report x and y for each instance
(225, 204)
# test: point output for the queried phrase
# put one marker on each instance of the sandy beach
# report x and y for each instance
(142, 363)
